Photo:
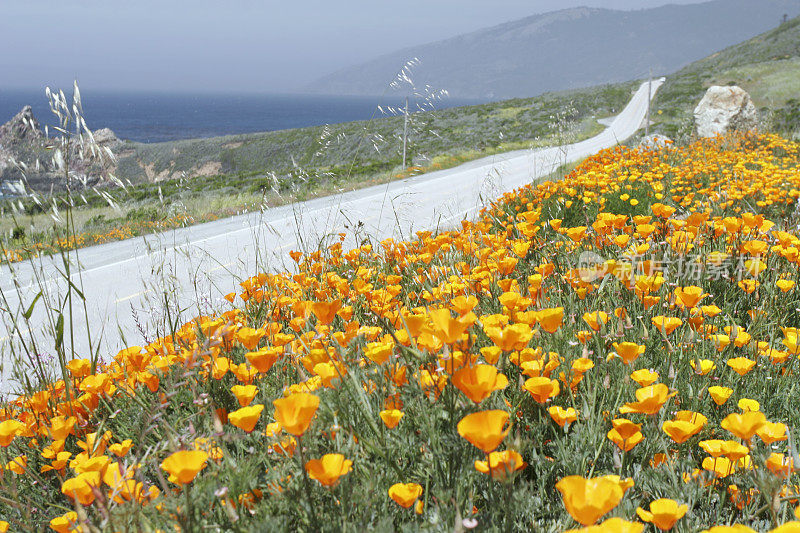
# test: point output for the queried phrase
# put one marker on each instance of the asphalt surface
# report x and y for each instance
(126, 284)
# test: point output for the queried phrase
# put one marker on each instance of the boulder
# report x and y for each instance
(724, 109)
(655, 141)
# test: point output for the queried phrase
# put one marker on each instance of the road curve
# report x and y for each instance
(126, 283)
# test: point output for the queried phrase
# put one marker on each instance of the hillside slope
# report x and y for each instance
(568, 49)
(767, 66)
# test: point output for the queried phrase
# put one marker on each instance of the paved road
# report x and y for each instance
(126, 283)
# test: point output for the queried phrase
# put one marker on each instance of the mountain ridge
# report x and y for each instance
(600, 46)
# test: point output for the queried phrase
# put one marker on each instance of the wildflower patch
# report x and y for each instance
(482, 377)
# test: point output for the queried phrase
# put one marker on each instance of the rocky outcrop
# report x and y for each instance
(105, 137)
(725, 109)
(22, 128)
(17, 137)
(25, 154)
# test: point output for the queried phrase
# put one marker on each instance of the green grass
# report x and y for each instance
(269, 169)
(767, 66)
(770, 84)
(362, 148)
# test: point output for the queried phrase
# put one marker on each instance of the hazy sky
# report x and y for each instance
(230, 45)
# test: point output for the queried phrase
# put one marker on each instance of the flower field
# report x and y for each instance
(55, 245)
(616, 351)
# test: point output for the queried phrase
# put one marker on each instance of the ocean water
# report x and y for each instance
(158, 117)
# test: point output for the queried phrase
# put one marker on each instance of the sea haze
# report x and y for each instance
(157, 117)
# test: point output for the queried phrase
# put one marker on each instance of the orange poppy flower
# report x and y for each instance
(667, 324)
(741, 365)
(611, 525)
(391, 417)
(463, 304)
(689, 297)
(577, 234)
(791, 340)
(541, 388)
(220, 367)
(246, 418)
(744, 425)
(80, 368)
(326, 311)
(500, 465)
(748, 404)
(244, 394)
(685, 425)
(82, 487)
(772, 432)
(405, 494)
(628, 351)
(562, 416)
(121, 449)
(644, 377)
(512, 337)
(514, 301)
(183, 466)
(721, 467)
(586, 500)
(713, 447)
(294, 413)
(596, 319)
(18, 464)
(663, 513)
(719, 394)
(479, 381)
(734, 450)
(748, 285)
(625, 434)
(328, 468)
(263, 359)
(780, 465)
(65, 523)
(448, 329)
(649, 400)
(702, 366)
(249, 337)
(491, 354)
(379, 351)
(8, 430)
(484, 429)
(550, 319)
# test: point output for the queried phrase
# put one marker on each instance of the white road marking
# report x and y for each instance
(126, 298)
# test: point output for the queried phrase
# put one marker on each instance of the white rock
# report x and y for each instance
(724, 109)
(655, 141)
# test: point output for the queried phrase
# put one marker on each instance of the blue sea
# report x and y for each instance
(158, 117)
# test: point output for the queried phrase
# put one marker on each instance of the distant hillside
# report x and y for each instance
(767, 66)
(568, 49)
(336, 153)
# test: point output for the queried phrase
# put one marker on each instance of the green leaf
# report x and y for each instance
(27, 314)
(60, 331)
(77, 290)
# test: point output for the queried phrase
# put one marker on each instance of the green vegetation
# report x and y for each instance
(767, 66)
(369, 147)
(196, 180)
